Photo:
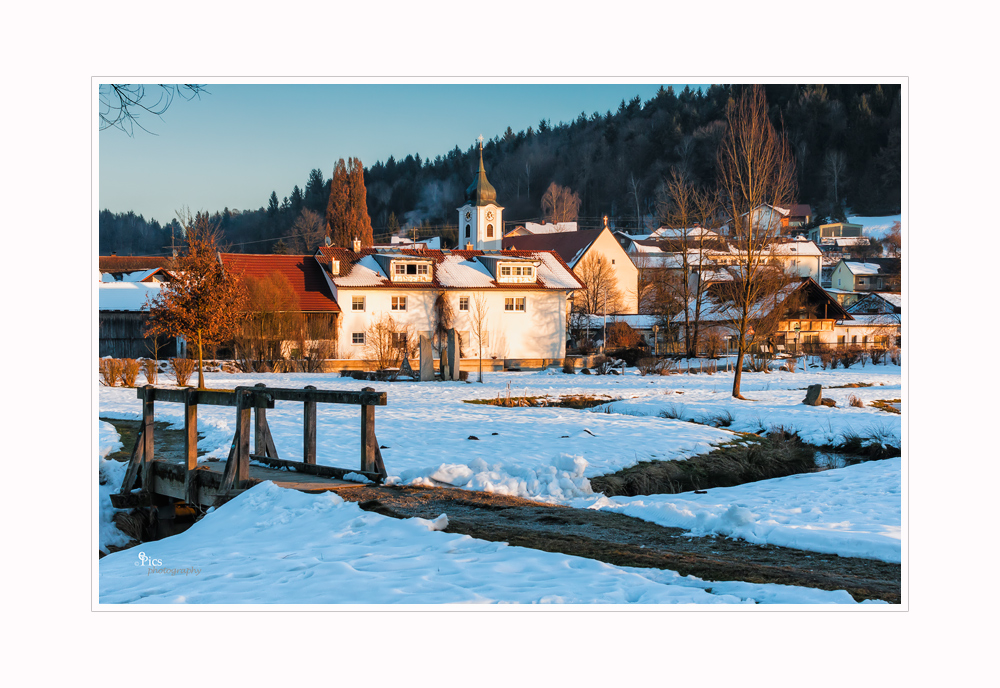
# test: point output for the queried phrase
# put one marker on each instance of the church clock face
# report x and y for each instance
(468, 215)
(489, 215)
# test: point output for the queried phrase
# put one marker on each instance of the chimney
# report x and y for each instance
(114, 253)
(356, 245)
(334, 267)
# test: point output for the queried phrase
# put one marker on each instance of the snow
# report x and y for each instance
(126, 296)
(547, 454)
(277, 546)
(110, 475)
(853, 511)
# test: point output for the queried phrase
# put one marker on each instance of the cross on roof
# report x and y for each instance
(480, 140)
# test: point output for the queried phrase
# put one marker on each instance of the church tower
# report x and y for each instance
(480, 220)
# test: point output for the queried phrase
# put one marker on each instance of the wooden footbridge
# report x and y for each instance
(152, 482)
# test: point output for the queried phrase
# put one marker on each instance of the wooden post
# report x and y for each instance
(243, 439)
(369, 445)
(259, 425)
(309, 430)
(191, 446)
(147, 439)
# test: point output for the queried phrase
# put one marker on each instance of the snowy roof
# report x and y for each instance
(861, 268)
(873, 320)
(433, 243)
(800, 248)
(675, 233)
(569, 245)
(639, 322)
(135, 276)
(125, 296)
(452, 269)
(550, 228)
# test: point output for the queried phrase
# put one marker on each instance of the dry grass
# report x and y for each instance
(130, 372)
(149, 369)
(855, 401)
(183, 368)
(111, 371)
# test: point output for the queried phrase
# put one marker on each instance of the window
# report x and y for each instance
(423, 269)
(358, 338)
(357, 303)
(463, 303)
(514, 304)
(505, 271)
(399, 303)
(400, 269)
(399, 340)
(468, 231)
(489, 231)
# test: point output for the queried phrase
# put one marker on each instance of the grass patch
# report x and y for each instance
(571, 402)
(852, 385)
(883, 405)
(748, 459)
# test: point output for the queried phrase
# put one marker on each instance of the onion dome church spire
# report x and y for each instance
(481, 192)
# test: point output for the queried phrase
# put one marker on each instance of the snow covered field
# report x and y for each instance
(546, 454)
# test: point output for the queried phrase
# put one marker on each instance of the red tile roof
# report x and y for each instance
(131, 263)
(303, 273)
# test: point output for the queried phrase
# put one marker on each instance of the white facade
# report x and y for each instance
(481, 226)
(519, 324)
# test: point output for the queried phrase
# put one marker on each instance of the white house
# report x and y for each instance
(526, 293)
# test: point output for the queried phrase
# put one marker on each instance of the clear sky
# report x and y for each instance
(239, 142)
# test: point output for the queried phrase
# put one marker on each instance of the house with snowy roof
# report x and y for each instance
(122, 315)
(875, 274)
(577, 248)
(530, 228)
(526, 293)
(803, 316)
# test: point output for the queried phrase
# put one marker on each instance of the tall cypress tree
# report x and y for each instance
(361, 223)
(337, 219)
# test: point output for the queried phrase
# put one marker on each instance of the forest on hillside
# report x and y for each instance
(846, 140)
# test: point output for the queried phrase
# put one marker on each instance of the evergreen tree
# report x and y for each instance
(272, 206)
(337, 220)
(361, 224)
(393, 224)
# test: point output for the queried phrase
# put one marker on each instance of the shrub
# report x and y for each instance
(622, 336)
(713, 343)
(720, 420)
(649, 365)
(111, 371)
(129, 372)
(848, 355)
(569, 366)
(149, 370)
(855, 401)
(183, 368)
(790, 364)
(602, 364)
(895, 355)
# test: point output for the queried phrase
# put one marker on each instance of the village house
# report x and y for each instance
(801, 317)
(829, 233)
(576, 248)
(530, 228)
(123, 314)
(875, 274)
(526, 293)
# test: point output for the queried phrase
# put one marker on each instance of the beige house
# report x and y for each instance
(575, 248)
(876, 274)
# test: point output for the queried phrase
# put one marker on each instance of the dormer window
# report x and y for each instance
(406, 271)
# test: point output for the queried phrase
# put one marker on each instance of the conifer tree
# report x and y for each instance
(347, 210)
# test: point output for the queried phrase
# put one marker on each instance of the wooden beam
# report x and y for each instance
(309, 430)
(190, 447)
(314, 469)
(147, 439)
(243, 450)
(203, 397)
(369, 445)
(259, 423)
(133, 464)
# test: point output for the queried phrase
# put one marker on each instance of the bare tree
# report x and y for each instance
(121, 105)
(560, 204)
(273, 317)
(387, 342)
(479, 319)
(307, 232)
(682, 207)
(600, 293)
(835, 169)
(893, 241)
(756, 169)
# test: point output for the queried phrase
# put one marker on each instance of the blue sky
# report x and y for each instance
(237, 143)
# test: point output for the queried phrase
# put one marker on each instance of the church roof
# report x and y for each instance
(481, 192)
